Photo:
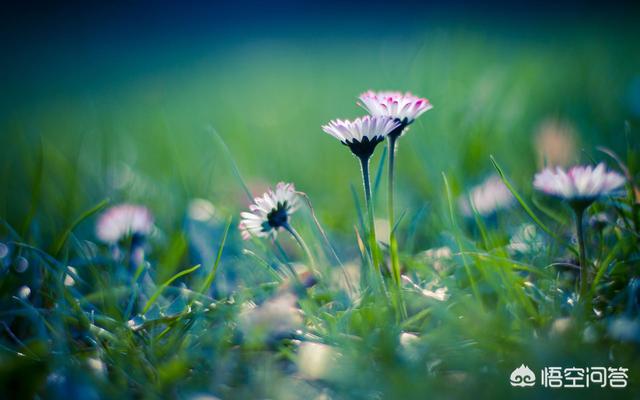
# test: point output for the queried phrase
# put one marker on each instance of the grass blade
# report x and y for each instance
(158, 292)
(212, 274)
(36, 189)
(65, 235)
(378, 177)
(234, 166)
(472, 281)
(603, 266)
(526, 207)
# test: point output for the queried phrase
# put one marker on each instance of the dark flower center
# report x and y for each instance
(398, 131)
(364, 148)
(276, 218)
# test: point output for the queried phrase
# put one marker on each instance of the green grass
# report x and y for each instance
(252, 113)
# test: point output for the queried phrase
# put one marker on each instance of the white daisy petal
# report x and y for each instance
(362, 135)
(269, 212)
(488, 197)
(360, 128)
(580, 183)
(404, 107)
(123, 220)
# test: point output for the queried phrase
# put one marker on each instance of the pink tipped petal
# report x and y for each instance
(360, 128)
(256, 222)
(579, 182)
(123, 220)
(403, 107)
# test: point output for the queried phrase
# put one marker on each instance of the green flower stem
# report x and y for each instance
(393, 243)
(302, 244)
(376, 256)
(583, 254)
(373, 243)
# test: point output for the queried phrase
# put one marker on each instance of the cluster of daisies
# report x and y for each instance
(390, 115)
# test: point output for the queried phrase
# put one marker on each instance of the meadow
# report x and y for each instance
(190, 310)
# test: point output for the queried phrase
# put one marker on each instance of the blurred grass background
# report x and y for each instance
(93, 106)
(133, 119)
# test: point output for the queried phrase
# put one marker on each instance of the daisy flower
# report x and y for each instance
(583, 184)
(361, 135)
(270, 212)
(487, 198)
(580, 186)
(316, 360)
(402, 107)
(124, 220)
(276, 318)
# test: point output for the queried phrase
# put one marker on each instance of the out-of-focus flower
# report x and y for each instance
(408, 346)
(625, 329)
(402, 107)
(488, 197)
(315, 360)
(526, 240)
(4, 250)
(438, 257)
(122, 221)
(579, 183)
(580, 187)
(21, 264)
(269, 212)
(201, 210)
(275, 318)
(361, 135)
(407, 339)
(561, 326)
(555, 143)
